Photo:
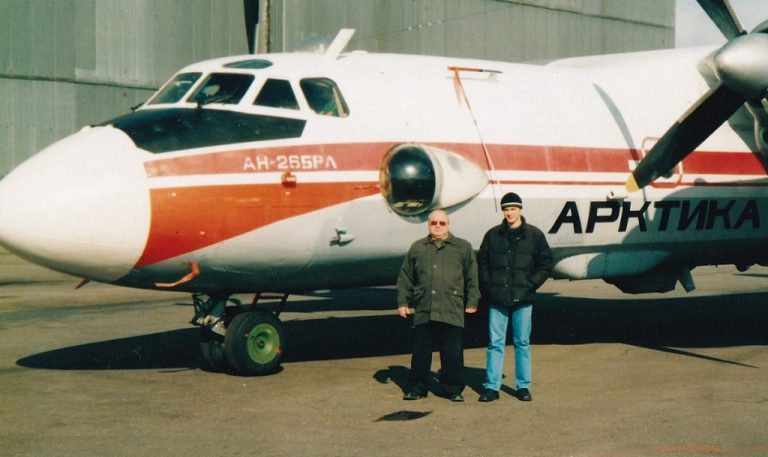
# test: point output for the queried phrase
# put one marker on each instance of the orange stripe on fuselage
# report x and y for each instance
(187, 219)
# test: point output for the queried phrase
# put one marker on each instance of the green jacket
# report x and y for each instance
(439, 282)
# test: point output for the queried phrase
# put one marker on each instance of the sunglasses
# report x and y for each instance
(440, 223)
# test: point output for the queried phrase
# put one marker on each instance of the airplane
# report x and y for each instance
(293, 172)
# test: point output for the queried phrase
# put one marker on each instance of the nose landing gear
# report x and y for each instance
(253, 343)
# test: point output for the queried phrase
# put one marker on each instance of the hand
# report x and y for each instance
(403, 311)
(470, 310)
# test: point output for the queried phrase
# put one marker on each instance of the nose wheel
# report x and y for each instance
(239, 339)
(254, 343)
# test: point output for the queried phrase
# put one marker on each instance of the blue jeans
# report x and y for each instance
(498, 317)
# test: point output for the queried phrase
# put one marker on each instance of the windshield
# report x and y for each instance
(277, 93)
(222, 88)
(175, 89)
(324, 97)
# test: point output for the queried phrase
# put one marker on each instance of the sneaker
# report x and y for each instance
(524, 395)
(457, 397)
(489, 395)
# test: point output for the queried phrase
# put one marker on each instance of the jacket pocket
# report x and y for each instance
(455, 294)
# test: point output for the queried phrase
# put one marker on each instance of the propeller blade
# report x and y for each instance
(722, 14)
(251, 10)
(709, 112)
(761, 27)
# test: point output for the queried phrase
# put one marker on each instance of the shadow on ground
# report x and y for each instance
(661, 324)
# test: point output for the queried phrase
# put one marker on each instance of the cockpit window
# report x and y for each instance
(222, 88)
(174, 90)
(324, 97)
(277, 93)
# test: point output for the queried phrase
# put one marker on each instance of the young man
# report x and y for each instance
(514, 260)
(439, 279)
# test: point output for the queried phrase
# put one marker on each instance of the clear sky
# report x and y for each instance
(694, 28)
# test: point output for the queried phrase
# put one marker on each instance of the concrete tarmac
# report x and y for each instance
(108, 371)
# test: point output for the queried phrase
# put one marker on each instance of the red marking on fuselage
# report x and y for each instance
(345, 157)
(187, 219)
(367, 156)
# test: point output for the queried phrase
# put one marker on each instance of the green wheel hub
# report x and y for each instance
(263, 343)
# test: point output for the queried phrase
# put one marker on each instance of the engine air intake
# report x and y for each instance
(416, 178)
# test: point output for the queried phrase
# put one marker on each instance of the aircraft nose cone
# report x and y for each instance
(80, 206)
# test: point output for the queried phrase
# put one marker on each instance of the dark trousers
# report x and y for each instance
(451, 343)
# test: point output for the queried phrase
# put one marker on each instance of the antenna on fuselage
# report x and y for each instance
(339, 43)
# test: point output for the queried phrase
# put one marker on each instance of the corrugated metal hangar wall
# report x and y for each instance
(68, 63)
(508, 30)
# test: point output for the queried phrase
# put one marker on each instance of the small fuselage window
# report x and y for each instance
(222, 88)
(324, 97)
(175, 89)
(277, 93)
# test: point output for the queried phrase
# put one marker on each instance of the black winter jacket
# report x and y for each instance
(512, 264)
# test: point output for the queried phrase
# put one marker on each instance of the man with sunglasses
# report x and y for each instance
(438, 279)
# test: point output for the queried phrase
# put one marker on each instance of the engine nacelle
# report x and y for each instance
(416, 178)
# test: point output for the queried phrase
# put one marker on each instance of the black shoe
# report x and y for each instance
(413, 395)
(524, 395)
(489, 395)
(457, 397)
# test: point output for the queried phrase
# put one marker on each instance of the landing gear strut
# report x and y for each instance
(253, 344)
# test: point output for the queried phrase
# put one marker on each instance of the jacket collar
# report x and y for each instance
(506, 230)
(428, 239)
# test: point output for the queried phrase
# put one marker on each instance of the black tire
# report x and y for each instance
(254, 344)
(212, 351)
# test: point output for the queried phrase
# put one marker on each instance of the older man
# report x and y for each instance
(439, 279)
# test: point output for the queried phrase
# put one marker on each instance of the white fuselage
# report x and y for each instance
(306, 211)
